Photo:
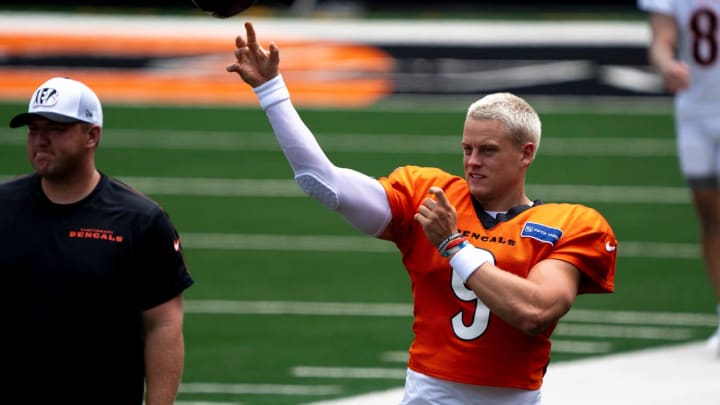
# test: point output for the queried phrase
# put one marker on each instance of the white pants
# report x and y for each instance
(698, 144)
(421, 389)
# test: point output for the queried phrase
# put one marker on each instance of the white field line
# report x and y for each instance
(578, 323)
(206, 403)
(580, 347)
(640, 318)
(349, 372)
(320, 243)
(625, 332)
(360, 143)
(387, 309)
(286, 188)
(260, 389)
(367, 244)
(558, 346)
(394, 357)
(344, 309)
(216, 187)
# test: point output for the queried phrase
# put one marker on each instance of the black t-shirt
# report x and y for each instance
(75, 280)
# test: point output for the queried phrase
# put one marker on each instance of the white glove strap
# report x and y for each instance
(469, 259)
(272, 92)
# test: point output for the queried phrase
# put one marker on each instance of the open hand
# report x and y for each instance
(254, 64)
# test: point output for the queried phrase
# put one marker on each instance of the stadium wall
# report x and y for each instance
(141, 58)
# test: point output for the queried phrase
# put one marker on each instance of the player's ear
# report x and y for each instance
(93, 139)
(528, 152)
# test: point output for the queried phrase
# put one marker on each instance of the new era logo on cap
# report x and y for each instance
(62, 100)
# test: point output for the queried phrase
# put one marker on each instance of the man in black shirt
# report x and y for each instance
(93, 272)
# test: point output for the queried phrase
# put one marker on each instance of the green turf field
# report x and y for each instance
(291, 305)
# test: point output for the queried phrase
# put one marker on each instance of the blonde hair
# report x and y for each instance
(519, 118)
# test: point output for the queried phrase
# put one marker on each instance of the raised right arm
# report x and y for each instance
(360, 199)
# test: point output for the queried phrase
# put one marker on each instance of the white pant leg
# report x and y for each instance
(421, 389)
(698, 146)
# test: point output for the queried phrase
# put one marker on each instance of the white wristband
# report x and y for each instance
(469, 259)
(272, 92)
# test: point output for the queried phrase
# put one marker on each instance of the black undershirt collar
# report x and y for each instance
(488, 221)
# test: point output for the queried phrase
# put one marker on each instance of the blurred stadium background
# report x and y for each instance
(364, 7)
(291, 305)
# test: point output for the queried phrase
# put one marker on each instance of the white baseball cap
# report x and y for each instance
(62, 100)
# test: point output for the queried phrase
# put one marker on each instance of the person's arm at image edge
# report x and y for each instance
(164, 351)
(662, 52)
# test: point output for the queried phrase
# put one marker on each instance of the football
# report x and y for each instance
(223, 8)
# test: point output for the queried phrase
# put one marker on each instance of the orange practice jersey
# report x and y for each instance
(456, 337)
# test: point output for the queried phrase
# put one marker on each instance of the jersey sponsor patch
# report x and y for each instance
(541, 232)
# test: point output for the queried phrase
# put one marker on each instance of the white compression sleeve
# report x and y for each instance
(360, 199)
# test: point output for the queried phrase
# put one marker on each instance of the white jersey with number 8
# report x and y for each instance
(699, 47)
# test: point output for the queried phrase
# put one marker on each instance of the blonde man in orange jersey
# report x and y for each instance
(492, 271)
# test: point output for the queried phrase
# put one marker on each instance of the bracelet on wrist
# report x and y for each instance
(451, 250)
(443, 245)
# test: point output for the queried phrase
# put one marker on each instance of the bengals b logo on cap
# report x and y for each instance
(64, 100)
